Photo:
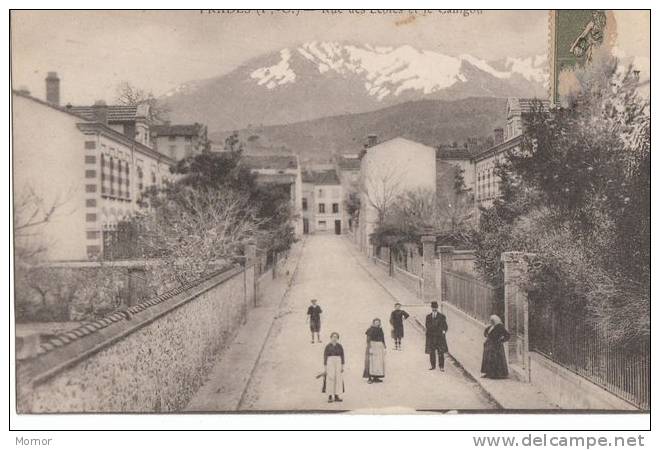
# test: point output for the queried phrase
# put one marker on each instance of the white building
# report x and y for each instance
(281, 170)
(323, 206)
(91, 162)
(387, 170)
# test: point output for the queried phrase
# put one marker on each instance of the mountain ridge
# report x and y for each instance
(430, 122)
(322, 79)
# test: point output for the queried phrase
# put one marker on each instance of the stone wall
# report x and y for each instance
(151, 358)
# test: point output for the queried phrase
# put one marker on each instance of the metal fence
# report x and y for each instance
(475, 298)
(573, 342)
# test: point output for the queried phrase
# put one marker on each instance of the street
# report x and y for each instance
(284, 377)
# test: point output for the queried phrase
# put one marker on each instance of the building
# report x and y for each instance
(323, 205)
(180, 141)
(348, 170)
(387, 170)
(281, 170)
(457, 157)
(479, 168)
(91, 163)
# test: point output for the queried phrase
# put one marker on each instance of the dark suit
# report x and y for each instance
(436, 342)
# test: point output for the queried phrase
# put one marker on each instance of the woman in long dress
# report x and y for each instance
(374, 358)
(493, 363)
(333, 361)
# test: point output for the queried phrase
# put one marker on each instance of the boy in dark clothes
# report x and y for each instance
(396, 320)
(314, 319)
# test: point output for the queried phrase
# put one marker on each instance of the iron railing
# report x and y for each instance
(583, 347)
(475, 298)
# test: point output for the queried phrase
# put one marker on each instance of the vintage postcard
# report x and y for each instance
(331, 211)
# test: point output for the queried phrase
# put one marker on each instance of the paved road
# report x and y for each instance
(284, 378)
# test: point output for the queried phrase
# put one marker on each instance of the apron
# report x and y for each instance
(333, 382)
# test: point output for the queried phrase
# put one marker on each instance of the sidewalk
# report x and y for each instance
(225, 385)
(508, 394)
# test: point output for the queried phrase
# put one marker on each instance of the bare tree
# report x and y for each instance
(197, 232)
(381, 189)
(128, 94)
(31, 212)
(448, 213)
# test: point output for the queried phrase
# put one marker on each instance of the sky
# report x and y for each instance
(93, 51)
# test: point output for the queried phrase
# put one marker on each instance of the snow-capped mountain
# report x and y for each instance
(318, 79)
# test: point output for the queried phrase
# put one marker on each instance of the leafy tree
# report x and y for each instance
(577, 194)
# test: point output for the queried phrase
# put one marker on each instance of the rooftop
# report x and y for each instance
(116, 113)
(276, 162)
(177, 130)
(526, 105)
(444, 152)
(323, 178)
(349, 163)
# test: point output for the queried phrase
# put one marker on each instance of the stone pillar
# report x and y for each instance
(516, 315)
(446, 259)
(429, 292)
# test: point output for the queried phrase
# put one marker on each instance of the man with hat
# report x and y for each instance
(436, 341)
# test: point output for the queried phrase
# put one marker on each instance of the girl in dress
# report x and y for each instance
(374, 359)
(333, 360)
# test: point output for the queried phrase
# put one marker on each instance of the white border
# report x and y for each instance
(171, 422)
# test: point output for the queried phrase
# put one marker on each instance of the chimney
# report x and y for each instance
(372, 140)
(499, 135)
(100, 112)
(53, 88)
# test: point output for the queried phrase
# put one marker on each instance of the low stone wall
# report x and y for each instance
(151, 358)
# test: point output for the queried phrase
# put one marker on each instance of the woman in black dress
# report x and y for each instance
(493, 363)
(374, 358)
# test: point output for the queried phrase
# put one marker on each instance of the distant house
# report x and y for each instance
(486, 182)
(180, 141)
(323, 206)
(348, 170)
(387, 170)
(479, 168)
(92, 161)
(281, 170)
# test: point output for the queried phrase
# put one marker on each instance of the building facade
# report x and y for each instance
(89, 171)
(387, 170)
(281, 170)
(180, 141)
(323, 206)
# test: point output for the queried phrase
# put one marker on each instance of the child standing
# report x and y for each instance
(396, 320)
(314, 319)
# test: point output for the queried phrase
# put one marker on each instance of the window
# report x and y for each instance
(335, 208)
(171, 138)
(322, 208)
(188, 138)
(140, 175)
(90, 145)
(322, 225)
(172, 150)
(112, 176)
(304, 204)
